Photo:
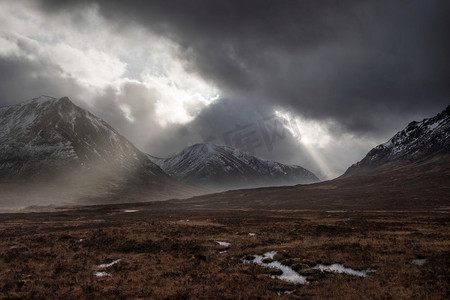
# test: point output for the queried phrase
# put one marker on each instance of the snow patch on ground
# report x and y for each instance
(223, 244)
(288, 274)
(338, 268)
(104, 266)
(102, 274)
(419, 261)
(288, 292)
(251, 234)
(130, 210)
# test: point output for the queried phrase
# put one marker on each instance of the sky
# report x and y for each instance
(312, 83)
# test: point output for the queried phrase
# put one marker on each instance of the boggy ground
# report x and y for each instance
(170, 254)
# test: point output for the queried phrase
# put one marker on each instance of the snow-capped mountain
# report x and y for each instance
(418, 141)
(55, 132)
(222, 167)
(48, 139)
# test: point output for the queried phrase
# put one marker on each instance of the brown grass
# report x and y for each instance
(164, 256)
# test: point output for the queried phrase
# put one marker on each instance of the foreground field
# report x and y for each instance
(167, 253)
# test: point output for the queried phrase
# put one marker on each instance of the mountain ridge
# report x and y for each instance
(417, 141)
(223, 167)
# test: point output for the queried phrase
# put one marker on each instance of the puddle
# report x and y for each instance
(130, 210)
(223, 244)
(102, 274)
(338, 268)
(104, 266)
(251, 234)
(288, 274)
(419, 261)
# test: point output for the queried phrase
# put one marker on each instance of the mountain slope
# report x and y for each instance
(418, 141)
(52, 143)
(222, 167)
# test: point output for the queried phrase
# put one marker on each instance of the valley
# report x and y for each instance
(224, 149)
(163, 252)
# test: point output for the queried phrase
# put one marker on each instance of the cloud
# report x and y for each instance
(359, 63)
(262, 132)
(24, 79)
(97, 58)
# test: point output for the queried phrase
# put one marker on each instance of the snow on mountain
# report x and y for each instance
(418, 141)
(223, 167)
(56, 143)
(55, 132)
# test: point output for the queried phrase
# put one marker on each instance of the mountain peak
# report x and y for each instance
(44, 99)
(60, 131)
(41, 99)
(65, 100)
(203, 147)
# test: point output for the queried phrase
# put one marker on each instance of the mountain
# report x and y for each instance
(409, 172)
(64, 150)
(419, 141)
(56, 133)
(222, 167)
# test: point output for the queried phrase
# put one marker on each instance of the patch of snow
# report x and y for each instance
(338, 268)
(270, 255)
(222, 252)
(130, 210)
(288, 274)
(104, 266)
(419, 261)
(113, 137)
(223, 244)
(288, 292)
(102, 274)
(251, 234)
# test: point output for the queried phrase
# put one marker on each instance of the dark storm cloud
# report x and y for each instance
(360, 63)
(23, 79)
